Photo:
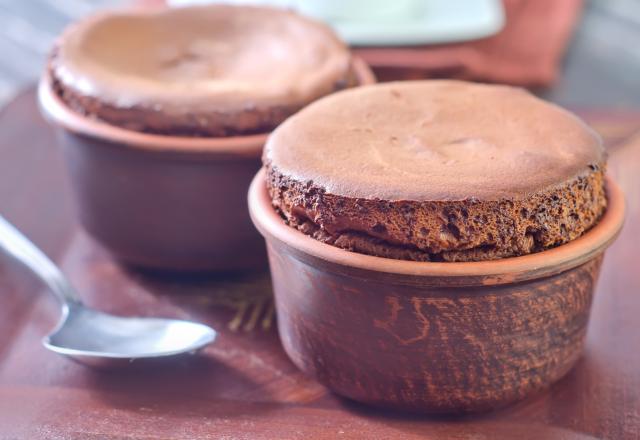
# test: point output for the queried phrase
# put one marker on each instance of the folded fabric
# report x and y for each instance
(526, 52)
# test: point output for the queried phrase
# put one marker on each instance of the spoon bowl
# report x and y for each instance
(96, 338)
(90, 336)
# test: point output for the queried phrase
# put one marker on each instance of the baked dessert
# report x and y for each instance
(437, 171)
(216, 70)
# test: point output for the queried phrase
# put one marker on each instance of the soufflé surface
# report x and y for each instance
(215, 70)
(437, 171)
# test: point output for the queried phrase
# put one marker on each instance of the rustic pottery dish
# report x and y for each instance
(432, 336)
(161, 201)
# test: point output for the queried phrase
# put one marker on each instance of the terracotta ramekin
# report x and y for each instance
(163, 202)
(432, 337)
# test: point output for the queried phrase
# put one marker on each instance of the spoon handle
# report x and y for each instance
(22, 249)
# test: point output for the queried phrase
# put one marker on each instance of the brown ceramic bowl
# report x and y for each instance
(165, 202)
(432, 337)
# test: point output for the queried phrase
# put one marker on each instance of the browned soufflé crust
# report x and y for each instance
(210, 80)
(530, 176)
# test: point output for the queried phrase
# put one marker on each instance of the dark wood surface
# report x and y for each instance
(243, 386)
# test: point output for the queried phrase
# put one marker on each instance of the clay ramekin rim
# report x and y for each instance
(506, 270)
(57, 112)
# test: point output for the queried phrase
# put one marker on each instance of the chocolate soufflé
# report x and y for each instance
(211, 71)
(437, 171)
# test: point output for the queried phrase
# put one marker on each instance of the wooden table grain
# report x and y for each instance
(244, 386)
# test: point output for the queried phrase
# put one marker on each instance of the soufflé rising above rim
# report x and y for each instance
(437, 171)
(207, 71)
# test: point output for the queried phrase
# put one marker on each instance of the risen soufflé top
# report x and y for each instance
(212, 70)
(437, 171)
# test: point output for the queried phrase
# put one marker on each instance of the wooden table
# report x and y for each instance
(243, 386)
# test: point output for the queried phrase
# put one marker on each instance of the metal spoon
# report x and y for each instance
(97, 338)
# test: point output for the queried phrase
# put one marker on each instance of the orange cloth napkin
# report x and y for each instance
(526, 52)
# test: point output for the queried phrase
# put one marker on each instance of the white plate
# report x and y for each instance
(434, 22)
